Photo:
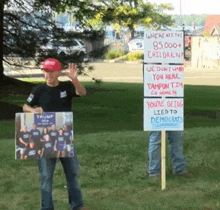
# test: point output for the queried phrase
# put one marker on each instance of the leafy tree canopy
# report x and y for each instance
(28, 25)
(120, 13)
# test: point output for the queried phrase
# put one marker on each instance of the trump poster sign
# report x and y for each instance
(47, 135)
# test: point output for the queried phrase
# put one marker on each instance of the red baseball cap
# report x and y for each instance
(51, 64)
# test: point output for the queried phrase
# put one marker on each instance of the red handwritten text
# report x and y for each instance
(158, 86)
(155, 104)
(175, 103)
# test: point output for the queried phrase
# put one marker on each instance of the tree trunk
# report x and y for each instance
(132, 32)
(135, 3)
(2, 3)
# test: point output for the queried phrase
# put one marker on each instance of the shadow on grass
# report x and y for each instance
(119, 107)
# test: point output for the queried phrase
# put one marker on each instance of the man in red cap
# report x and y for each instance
(56, 96)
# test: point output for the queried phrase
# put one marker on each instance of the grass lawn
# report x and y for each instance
(112, 151)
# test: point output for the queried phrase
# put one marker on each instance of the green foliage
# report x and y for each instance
(188, 20)
(207, 34)
(135, 56)
(29, 28)
(121, 14)
(111, 54)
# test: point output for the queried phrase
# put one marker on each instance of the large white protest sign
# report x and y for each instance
(163, 47)
(163, 80)
(162, 114)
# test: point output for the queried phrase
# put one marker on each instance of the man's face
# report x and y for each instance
(34, 126)
(25, 129)
(51, 76)
(53, 127)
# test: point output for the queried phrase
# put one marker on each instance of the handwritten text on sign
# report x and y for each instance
(162, 114)
(163, 80)
(163, 47)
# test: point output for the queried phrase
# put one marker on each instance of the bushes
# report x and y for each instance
(134, 56)
(112, 54)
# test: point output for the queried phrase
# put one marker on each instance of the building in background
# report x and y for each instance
(212, 23)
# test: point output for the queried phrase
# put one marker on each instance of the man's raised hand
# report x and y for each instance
(72, 71)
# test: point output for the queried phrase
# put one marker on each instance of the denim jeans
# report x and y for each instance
(176, 152)
(46, 168)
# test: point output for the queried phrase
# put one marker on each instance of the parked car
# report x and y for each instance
(135, 45)
(75, 48)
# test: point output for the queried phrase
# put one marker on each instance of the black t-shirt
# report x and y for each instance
(42, 136)
(67, 134)
(53, 99)
(48, 147)
(35, 135)
(25, 136)
(61, 142)
(53, 134)
(31, 153)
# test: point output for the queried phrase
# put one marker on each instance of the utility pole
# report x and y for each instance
(181, 14)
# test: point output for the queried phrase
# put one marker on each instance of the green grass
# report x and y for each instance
(112, 151)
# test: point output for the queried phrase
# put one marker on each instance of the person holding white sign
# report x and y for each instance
(176, 153)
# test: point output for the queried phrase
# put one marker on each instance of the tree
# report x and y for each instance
(27, 25)
(2, 4)
(23, 31)
(127, 13)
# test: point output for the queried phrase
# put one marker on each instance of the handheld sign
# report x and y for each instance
(163, 80)
(163, 114)
(47, 135)
(163, 47)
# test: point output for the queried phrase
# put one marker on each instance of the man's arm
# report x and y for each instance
(27, 108)
(55, 145)
(24, 143)
(42, 152)
(79, 89)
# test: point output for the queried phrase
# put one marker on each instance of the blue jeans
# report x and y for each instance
(46, 168)
(176, 152)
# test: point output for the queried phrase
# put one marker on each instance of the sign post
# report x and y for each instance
(163, 86)
(163, 159)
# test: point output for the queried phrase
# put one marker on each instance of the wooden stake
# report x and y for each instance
(163, 159)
